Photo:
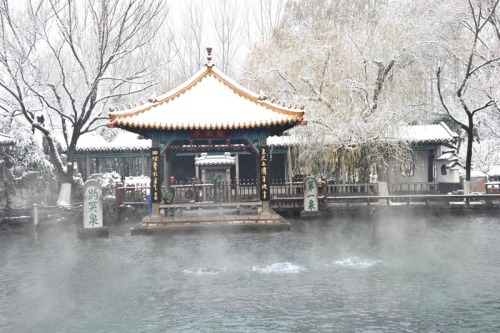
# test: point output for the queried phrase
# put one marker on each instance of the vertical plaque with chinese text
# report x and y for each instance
(155, 175)
(264, 173)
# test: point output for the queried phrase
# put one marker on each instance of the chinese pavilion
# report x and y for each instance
(210, 112)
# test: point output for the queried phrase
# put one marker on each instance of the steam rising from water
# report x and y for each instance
(393, 274)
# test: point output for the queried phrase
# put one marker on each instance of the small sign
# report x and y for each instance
(155, 178)
(92, 204)
(310, 194)
(264, 173)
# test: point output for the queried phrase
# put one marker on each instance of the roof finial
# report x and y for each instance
(209, 57)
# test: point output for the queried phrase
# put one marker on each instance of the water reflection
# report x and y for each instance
(368, 274)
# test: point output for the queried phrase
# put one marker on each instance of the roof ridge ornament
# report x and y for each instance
(209, 63)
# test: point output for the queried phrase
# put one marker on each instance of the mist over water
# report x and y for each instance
(389, 273)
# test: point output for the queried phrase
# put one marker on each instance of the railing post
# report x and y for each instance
(119, 197)
(324, 182)
(489, 201)
(237, 189)
(35, 215)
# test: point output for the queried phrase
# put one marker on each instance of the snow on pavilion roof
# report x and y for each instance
(6, 140)
(206, 159)
(209, 100)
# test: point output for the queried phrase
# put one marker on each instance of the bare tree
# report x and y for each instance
(229, 27)
(67, 60)
(189, 26)
(268, 15)
(478, 72)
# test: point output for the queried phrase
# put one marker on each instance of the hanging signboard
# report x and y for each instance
(155, 179)
(208, 134)
(264, 174)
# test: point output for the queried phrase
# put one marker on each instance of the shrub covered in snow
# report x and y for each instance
(494, 174)
(27, 155)
(137, 181)
(108, 182)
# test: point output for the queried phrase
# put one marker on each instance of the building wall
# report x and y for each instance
(22, 192)
(420, 170)
(452, 175)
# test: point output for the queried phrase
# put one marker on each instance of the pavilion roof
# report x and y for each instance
(209, 100)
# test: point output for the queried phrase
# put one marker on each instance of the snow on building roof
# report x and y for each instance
(424, 134)
(494, 171)
(281, 141)
(477, 174)
(6, 140)
(419, 134)
(209, 100)
(448, 155)
(205, 159)
(123, 141)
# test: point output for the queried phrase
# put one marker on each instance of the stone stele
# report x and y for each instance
(92, 211)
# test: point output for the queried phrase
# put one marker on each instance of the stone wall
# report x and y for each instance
(22, 192)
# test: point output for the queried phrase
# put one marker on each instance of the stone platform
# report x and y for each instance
(211, 223)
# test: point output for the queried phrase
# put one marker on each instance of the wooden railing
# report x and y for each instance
(352, 189)
(416, 187)
(207, 208)
(288, 197)
(418, 199)
(233, 191)
(245, 190)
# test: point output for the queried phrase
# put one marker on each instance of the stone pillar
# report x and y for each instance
(87, 166)
(203, 181)
(196, 167)
(167, 170)
(119, 197)
(237, 176)
(143, 163)
(227, 185)
(289, 171)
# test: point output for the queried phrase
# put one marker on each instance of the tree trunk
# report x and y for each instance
(468, 158)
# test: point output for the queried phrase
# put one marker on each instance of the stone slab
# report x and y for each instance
(236, 225)
(310, 213)
(84, 233)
